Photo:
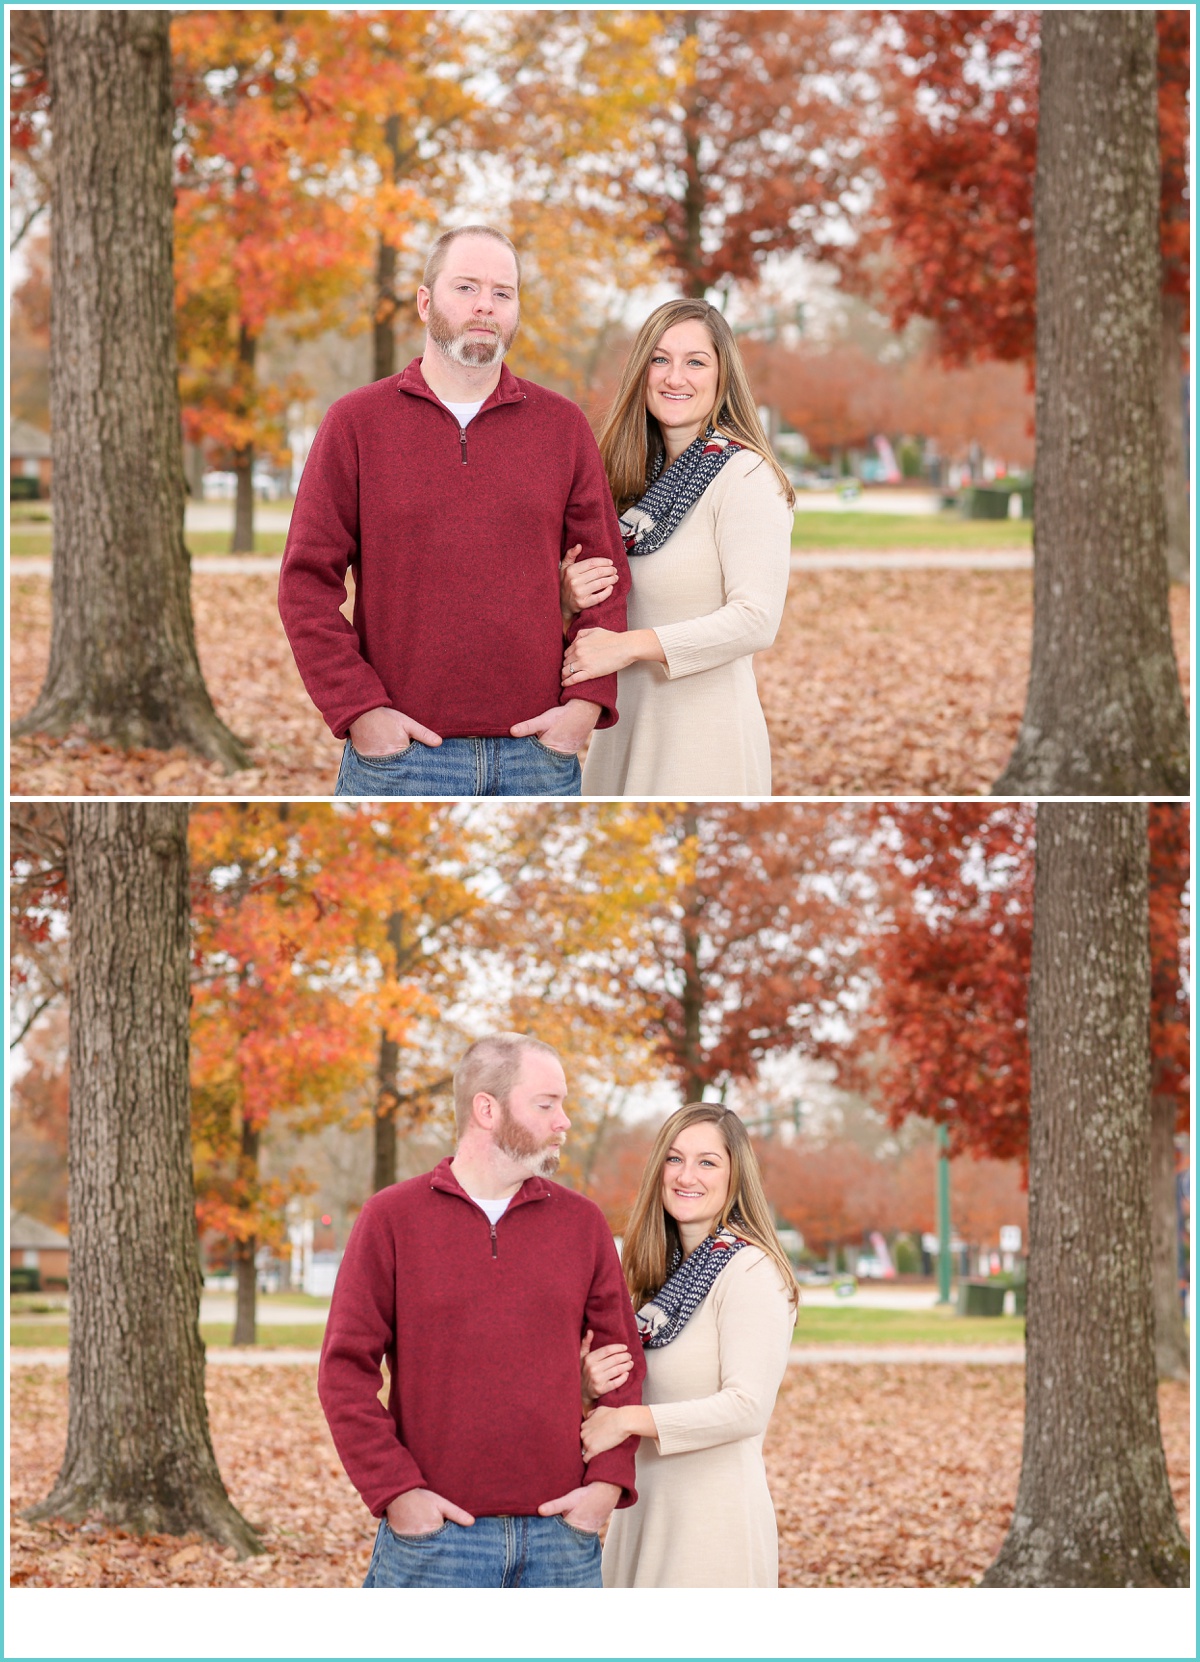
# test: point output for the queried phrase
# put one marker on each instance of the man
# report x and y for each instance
(454, 490)
(478, 1281)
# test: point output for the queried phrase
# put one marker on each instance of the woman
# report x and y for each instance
(706, 514)
(716, 1300)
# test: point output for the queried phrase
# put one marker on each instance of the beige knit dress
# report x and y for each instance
(713, 594)
(703, 1516)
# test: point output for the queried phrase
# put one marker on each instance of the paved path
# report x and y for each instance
(804, 1356)
(949, 1356)
(914, 559)
(829, 559)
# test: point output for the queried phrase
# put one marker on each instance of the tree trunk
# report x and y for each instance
(387, 1101)
(1170, 1339)
(1104, 714)
(1175, 481)
(138, 1448)
(245, 1330)
(123, 659)
(243, 458)
(384, 331)
(1094, 1508)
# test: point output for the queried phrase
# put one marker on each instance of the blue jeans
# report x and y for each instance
(462, 767)
(491, 1552)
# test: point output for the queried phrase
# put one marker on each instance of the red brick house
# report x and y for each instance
(34, 1245)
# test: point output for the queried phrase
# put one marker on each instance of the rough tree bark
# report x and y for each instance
(138, 1448)
(1170, 1337)
(1094, 1508)
(1104, 714)
(123, 659)
(1179, 548)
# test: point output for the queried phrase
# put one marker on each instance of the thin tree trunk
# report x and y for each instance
(1104, 714)
(1175, 483)
(387, 1100)
(384, 327)
(123, 659)
(138, 1448)
(243, 458)
(1170, 1339)
(1094, 1507)
(245, 1329)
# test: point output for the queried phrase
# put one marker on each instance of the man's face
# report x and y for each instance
(472, 311)
(532, 1126)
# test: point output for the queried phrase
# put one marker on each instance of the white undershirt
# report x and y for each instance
(463, 413)
(494, 1209)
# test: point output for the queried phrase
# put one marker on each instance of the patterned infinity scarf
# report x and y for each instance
(674, 492)
(687, 1285)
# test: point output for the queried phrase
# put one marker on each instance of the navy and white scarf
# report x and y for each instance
(689, 1282)
(674, 491)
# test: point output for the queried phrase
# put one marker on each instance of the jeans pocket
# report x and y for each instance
(548, 750)
(417, 1540)
(588, 1535)
(387, 759)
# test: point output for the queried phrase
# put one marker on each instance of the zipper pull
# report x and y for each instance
(493, 1240)
(462, 439)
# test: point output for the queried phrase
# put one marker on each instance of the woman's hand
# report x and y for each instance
(596, 652)
(584, 583)
(603, 1429)
(603, 1369)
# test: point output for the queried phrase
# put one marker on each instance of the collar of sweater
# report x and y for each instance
(533, 1188)
(506, 391)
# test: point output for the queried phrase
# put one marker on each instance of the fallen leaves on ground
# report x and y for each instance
(251, 677)
(886, 683)
(905, 1476)
(882, 1476)
(880, 683)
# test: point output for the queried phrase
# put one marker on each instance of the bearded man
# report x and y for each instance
(479, 1282)
(453, 490)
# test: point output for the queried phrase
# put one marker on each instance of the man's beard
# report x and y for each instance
(470, 354)
(523, 1147)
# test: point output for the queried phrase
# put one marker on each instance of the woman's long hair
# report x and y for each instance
(631, 437)
(652, 1233)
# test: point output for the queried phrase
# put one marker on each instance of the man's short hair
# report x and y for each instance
(436, 257)
(491, 1065)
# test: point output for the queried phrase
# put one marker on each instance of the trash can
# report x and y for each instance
(981, 1298)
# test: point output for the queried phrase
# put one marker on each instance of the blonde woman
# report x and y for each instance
(706, 515)
(715, 1300)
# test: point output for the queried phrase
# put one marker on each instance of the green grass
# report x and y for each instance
(846, 528)
(36, 539)
(53, 1336)
(824, 1326)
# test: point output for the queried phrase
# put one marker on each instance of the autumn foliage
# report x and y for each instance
(945, 1036)
(949, 232)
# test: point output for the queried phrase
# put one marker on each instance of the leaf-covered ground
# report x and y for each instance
(882, 1476)
(886, 683)
(880, 683)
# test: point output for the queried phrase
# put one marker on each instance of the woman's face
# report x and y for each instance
(695, 1179)
(681, 382)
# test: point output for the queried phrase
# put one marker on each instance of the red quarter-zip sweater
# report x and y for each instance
(456, 536)
(481, 1328)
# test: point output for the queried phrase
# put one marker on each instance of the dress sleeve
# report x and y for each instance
(754, 1335)
(753, 530)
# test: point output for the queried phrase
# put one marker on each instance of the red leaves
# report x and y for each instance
(951, 225)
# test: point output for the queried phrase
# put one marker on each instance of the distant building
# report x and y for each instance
(33, 1245)
(29, 452)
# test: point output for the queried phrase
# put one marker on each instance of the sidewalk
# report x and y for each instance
(804, 1356)
(833, 559)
